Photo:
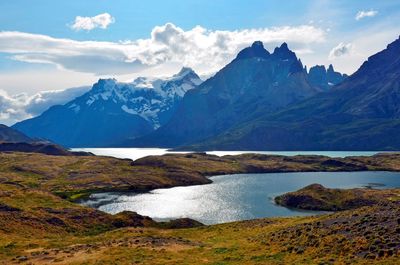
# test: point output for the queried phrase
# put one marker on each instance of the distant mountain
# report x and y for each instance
(112, 112)
(11, 135)
(362, 113)
(324, 78)
(256, 82)
(12, 140)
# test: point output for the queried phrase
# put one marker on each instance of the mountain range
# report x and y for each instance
(259, 101)
(254, 84)
(361, 113)
(112, 112)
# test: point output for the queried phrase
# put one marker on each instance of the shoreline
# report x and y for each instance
(109, 174)
(112, 202)
(331, 165)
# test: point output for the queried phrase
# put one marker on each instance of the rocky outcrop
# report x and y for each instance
(324, 78)
(317, 197)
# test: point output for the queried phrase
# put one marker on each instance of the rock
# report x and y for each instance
(128, 218)
(22, 258)
(180, 223)
(317, 197)
(7, 208)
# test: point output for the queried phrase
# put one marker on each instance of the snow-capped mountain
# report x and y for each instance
(112, 112)
(149, 98)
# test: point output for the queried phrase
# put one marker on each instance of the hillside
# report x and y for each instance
(11, 135)
(40, 147)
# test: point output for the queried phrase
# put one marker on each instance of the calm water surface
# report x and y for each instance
(234, 197)
(136, 153)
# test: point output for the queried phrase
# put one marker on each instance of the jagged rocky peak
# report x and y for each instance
(284, 53)
(187, 73)
(322, 69)
(330, 69)
(281, 54)
(106, 81)
(256, 50)
(257, 45)
(317, 70)
(324, 78)
(284, 48)
(104, 84)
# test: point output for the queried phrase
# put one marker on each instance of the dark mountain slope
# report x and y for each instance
(8, 134)
(362, 113)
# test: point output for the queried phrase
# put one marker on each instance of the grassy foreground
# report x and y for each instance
(40, 225)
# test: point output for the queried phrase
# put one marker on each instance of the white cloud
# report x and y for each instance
(89, 23)
(363, 14)
(21, 106)
(41, 101)
(202, 49)
(10, 109)
(340, 50)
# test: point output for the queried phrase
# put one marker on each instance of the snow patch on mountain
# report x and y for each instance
(128, 110)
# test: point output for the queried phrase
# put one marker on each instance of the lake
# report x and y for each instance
(136, 153)
(234, 197)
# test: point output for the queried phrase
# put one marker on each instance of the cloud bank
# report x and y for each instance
(89, 23)
(202, 49)
(21, 106)
(340, 50)
(363, 14)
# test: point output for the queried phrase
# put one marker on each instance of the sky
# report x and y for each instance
(47, 46)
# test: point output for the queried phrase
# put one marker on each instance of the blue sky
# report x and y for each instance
(54, 45)
(135, 19)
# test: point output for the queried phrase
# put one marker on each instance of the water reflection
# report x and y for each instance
(234, 197)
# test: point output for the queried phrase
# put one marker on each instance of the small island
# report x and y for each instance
(318, 198)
